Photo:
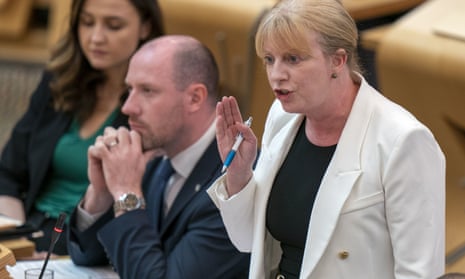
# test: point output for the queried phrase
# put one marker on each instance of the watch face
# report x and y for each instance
(131, 201)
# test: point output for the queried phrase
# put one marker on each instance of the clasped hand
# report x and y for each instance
(116, 164)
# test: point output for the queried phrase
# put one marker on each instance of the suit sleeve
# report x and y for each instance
(14, 164)
(83, 246)
(415, 205)
(236, 212)
(204, 251)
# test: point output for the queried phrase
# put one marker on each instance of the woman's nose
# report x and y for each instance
(277, 72)
(98, 34)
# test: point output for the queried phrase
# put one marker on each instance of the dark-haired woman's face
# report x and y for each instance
(109, 32)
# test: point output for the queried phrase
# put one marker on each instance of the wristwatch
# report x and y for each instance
(128, 202)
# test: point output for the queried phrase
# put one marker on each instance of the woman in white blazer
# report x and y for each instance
(348, 184)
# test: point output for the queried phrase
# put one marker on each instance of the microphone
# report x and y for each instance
(57, 230)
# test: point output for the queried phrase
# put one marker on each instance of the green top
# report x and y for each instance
(68, 179)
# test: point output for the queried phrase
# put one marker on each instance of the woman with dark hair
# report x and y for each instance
(43, 168)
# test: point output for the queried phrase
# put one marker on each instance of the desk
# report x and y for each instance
(20, 247)
(424, 72)
(369, 9)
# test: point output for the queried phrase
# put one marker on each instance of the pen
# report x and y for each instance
(232, 153)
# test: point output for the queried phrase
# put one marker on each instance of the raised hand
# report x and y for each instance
(229, 124)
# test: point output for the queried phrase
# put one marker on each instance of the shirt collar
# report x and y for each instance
(185, 161)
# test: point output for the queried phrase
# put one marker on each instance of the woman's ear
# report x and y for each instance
(338, 60)
(145, 30)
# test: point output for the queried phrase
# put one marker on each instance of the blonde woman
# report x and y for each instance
(348, 184)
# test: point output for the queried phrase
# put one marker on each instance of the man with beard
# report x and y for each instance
(127, 216)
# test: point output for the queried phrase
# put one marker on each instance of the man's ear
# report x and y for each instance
(196, 96)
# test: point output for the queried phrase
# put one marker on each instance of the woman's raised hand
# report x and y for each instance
(229, 124)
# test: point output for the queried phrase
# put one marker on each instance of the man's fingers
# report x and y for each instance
(98, 150)
(123, 137)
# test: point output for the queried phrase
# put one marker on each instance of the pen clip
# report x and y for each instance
(248, 122)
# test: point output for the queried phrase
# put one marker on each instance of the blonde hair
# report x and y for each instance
(287, 24)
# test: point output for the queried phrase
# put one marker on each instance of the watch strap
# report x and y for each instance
(122, 204)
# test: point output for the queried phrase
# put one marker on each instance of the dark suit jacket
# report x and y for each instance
(26, 158)
(191, 242)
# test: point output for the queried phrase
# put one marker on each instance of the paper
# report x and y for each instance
(8, 223)
(63, 269)
(451, 26)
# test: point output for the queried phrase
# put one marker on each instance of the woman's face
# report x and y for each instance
(300, 81)
(109, 32)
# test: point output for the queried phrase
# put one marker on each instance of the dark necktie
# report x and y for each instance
(163, 173)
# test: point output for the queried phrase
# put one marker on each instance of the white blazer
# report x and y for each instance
(380, 209)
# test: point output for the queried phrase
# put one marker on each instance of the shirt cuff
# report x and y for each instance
(84, 219)
(222, 193)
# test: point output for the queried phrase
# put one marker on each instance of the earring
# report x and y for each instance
(333, 75)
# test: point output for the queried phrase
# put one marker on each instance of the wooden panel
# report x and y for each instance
(21, 248)
(423, 72)
(6, 258)
(32, 47)
(369, 9)
(370, 38)
(41, 3)
(3, 4)
(228, 29)
(33, 44)
(14, 18)
(58, 20)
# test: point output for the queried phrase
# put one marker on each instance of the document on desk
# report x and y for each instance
(8, 222)
(451, 26)
(63, 269)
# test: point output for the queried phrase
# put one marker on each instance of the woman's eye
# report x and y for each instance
(293, 59)
(86, 21)
(268, 60)
(114, 25)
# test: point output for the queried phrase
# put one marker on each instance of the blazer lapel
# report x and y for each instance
(205, 171)
(152, 193)
(341, 175)
(274, 151)
(53, 127)
(272, 155)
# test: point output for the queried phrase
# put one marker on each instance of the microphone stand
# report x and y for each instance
(57, 230)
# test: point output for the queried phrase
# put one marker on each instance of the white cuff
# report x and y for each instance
(84, 219)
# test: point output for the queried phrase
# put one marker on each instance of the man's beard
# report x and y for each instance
(150, 143)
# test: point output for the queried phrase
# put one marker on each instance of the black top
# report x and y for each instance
(291, 199)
